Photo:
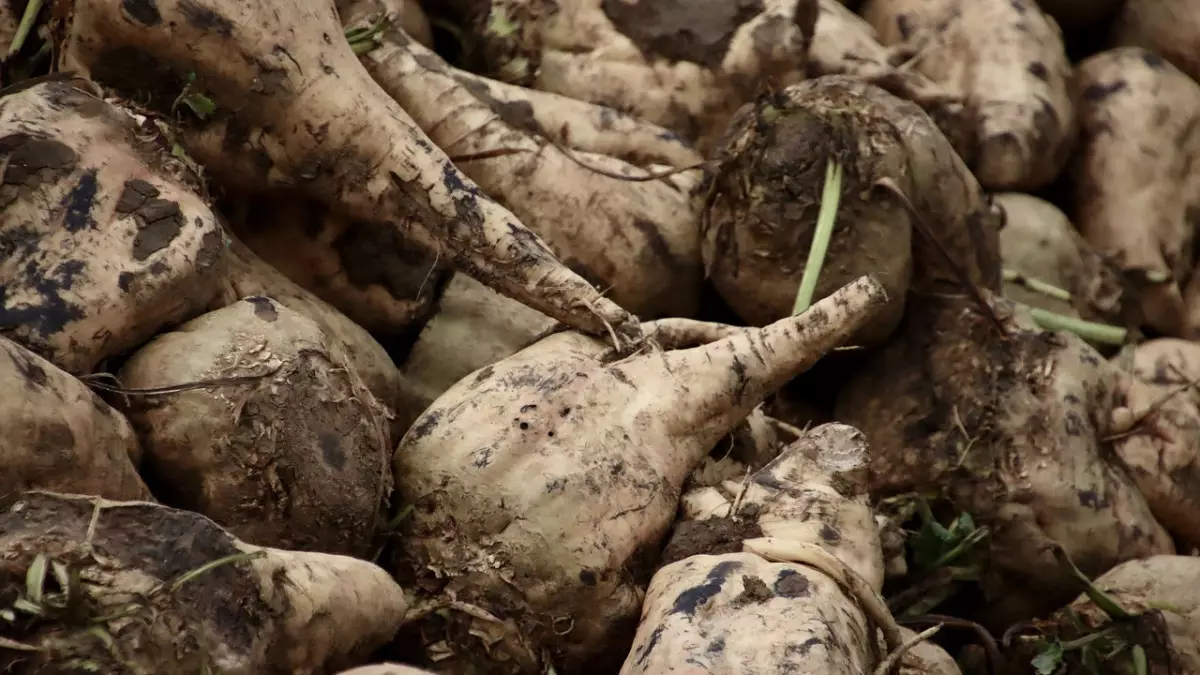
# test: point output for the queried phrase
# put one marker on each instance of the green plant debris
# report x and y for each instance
(1049, 657)
(1097, 333)
(830, 197)
(935, 546)
(200, 105)
(25, 28)
(500, 25)
(365, 38)
(1036, 285)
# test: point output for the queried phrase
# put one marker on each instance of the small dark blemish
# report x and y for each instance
(1097, 92)
(1153, 60)
(205, 19)
(693, 598)
(263, 308)
(78, 203)
(331, 450)
(791, 584)
(143, 11)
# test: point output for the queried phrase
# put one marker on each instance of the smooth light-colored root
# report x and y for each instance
(638, 239)
(680, 333)
(794, 345)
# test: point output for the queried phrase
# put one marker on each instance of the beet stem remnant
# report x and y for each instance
(831, 195)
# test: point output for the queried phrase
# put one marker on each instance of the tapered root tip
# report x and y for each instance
(863, 296)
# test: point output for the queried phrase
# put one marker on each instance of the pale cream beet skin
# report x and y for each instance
(290, 451)
(1171, 581)
(766, 196)
(638, 239)
(59, 435)
(296, 109)
(776, 607)
(1162, 451)
(685, 70)
(1005, 59)
(473, 327)
(1133, 192)
(561, 465)
(1169, 28)
(104, 238)
(248, 275)
(1040, 243)
(368, 273)
(386, 669)
(1012, 429)
(176, 595)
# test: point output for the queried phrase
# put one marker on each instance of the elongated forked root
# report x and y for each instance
(294, 107)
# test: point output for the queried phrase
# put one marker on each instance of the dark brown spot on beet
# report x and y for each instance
(588, 577)
(1038, 70)
(516, 114)
(48, 312)
(331, 449)
(78, 203)
(134, 194)
(484, 375)
(205, 18)
(54, 438)
(645, 650)
(682, 30)
(125, 281)
(791, 584)
(373, 255)
(211, 249)
(694, 598)
(142, 11)
(33, 374)
(159, 222)
(830, 534)
(426, 424)
(1097, 92)
(1153, 60)
(263, 308)
(754, 591)
(28, 156)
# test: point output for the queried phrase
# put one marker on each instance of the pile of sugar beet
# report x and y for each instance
(736, 337)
